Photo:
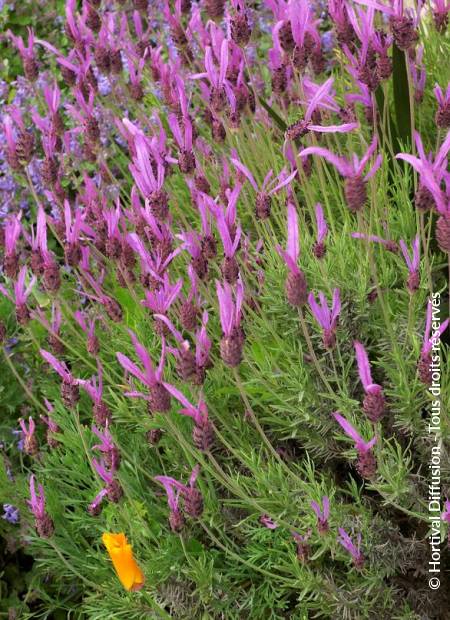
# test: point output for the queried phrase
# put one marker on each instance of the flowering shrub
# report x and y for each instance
(225, 257)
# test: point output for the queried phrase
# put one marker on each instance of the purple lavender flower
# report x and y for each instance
(70, 393)
(43, 521)
(88, 327)
(322, 231)
(303, 549)
(441, 10)
(107, 447)
(12, 232)
(326, 318)
(412, 263)
(320, 96)
(30, 444)
(268, 522)
(30, 65)
(158, 398)
(94, 388)
(220, 87)
(202, 434)
(322, 514)
(354, 550)
(150, 184)
(352, 171)
(21, 294)
(263, 194)
(366, 463)
(443, 113)
(391, 246)
(52, 426)
(113, 489)
(230, 318)
(432, 173)
(296, 287)
(159, 301)
(374, 402)
(176, 517)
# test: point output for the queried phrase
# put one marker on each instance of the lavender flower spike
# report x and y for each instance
(113, 489)
(390, 245)
(176, 517)
(354, 550)
(352, 171)
(326, 319)
(295, 287)
(366, 464)
(202, 434)
(412, 263)
(230, 318)
(263, 201)
(322, 514)
(373, 403)
(322, 231)
(21, 294)
(303, 549)
(30, 444)
(159, 399)
(43, 522)
(70, 393)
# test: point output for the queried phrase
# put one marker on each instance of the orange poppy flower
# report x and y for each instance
(121, 554)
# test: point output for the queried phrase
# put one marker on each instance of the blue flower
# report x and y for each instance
(11, 514)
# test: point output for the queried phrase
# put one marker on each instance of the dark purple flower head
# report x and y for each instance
(202, 343)
(199, 413)
(21, 291)
(412, 262)
(149, 376)
(105, 474)
(326, 318)
(12, 229)
(353, 549)
(322, 514)
(349, 168)
(60, 367)
(445, 516)
(37, 501)
(159, 301)
(361, 446)
(319, 96)
(438, 330)
(432, 173)
(362, 360)
(193, 502)
(292, 252)
(268, 522)
(230, 311)
(388, 244)
(322, 228)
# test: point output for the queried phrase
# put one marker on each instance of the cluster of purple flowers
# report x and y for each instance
(205, 79)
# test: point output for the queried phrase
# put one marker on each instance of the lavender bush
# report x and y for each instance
(225, 254)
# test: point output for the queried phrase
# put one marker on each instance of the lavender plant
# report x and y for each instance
(225, 261)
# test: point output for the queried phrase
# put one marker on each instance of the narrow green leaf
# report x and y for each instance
(401, 95)
(273, 115)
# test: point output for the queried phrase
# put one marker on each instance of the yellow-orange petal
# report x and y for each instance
(121, 554)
